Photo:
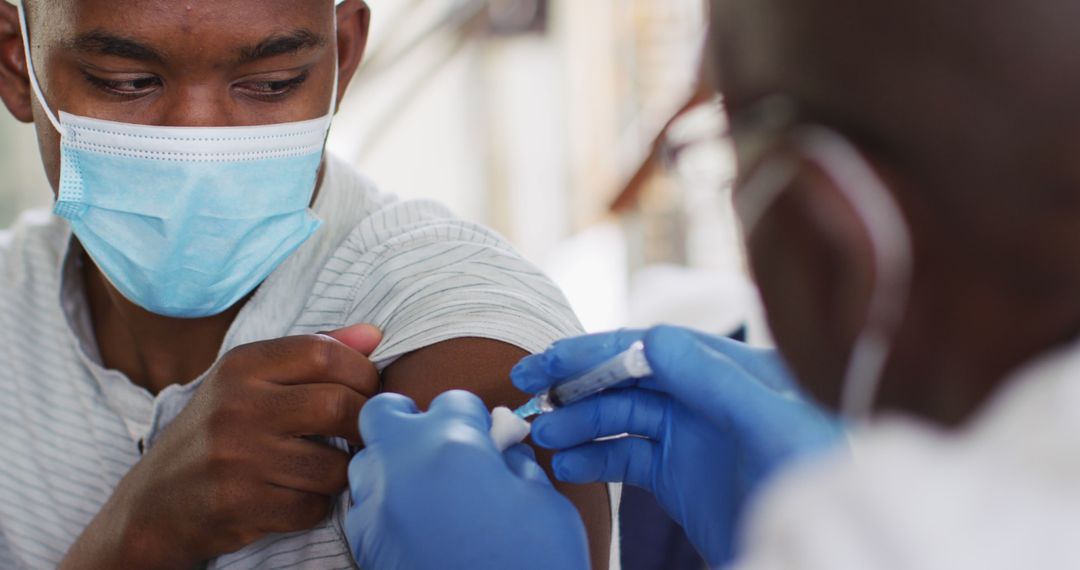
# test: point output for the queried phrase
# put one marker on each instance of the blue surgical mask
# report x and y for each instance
(186, 221)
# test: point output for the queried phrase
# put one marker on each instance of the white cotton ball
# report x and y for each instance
(507, 429)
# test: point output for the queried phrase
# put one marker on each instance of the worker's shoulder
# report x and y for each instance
(938, 498)
(31, 248)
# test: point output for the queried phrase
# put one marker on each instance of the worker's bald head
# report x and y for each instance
(977, 97)
(968, 110)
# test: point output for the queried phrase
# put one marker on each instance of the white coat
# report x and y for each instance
(1002, 493)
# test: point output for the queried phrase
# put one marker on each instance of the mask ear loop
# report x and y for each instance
(34, 83)
(337, 63)
(890, 240)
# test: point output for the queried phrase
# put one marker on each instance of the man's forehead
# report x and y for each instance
(220, 32)
(36, 3)
(65, 19)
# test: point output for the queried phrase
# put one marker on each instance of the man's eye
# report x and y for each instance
(270, 90)
(133, 87)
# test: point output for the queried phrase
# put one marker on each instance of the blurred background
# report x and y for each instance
(550, 121)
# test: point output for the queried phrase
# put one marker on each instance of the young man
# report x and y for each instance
(164, 397)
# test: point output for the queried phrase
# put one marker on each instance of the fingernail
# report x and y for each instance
(567, 467)
(541, 429)
(523, 376)
(523, 449)
(549, 363)
(539, 433)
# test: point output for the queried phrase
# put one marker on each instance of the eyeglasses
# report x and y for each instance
(755, 130)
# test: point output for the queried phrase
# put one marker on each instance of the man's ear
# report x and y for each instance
(14, 79)
(354, 22)
(813, 261)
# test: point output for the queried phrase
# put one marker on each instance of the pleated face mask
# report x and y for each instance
(186, 221)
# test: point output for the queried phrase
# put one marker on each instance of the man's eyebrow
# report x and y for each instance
(282, 44)
(104, 43)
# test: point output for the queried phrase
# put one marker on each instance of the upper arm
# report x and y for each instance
(458, 309)
(483, 367)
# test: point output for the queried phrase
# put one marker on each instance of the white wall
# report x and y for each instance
(22, 178)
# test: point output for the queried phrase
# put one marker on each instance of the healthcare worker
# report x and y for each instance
(908, 192)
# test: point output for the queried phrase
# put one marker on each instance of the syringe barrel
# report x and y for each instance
(627, 365)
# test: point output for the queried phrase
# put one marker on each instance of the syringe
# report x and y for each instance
(627, 365)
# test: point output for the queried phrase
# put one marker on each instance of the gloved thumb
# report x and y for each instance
(383, 414)
(521, 459)
(462, 407)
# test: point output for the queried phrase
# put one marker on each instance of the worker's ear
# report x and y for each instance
(354, 22)
(14, 79)
(813, 261)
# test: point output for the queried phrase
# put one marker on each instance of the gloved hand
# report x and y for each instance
(714, 420)
(431, 491)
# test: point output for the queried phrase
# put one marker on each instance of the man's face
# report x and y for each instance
(182, 63)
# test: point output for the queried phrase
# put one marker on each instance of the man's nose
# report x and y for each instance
(199, 106)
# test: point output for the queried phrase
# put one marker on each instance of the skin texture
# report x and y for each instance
(967, 111)
(232, 457)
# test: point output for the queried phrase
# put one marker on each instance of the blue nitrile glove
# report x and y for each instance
(714, 420)
(430, 490)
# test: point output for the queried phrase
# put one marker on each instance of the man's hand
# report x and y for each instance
(238, 463)
(430, 491)
(711, 424)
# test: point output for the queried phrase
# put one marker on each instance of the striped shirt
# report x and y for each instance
(72, 429)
